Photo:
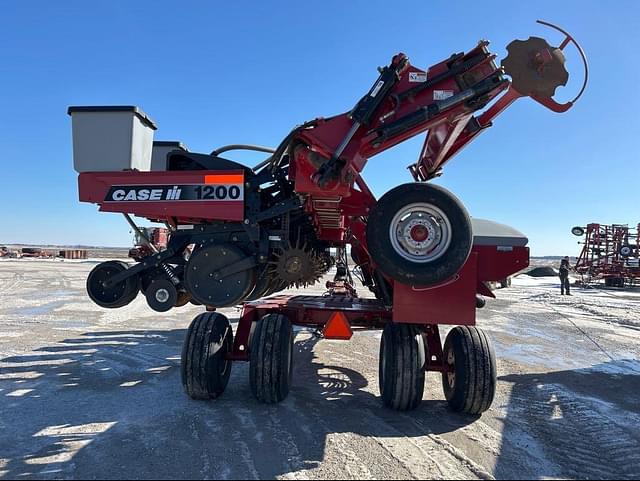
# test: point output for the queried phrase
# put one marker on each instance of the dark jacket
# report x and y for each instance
(564, 269)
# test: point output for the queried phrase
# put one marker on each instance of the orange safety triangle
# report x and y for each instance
(338, 327)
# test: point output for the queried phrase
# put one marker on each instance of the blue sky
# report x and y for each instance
(212, 73)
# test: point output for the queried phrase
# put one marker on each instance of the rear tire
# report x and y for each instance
(204, 368)
(271, 359)
(419, 234)
(470, 386)
(402, 361)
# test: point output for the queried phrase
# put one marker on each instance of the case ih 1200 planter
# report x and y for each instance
(239, 234)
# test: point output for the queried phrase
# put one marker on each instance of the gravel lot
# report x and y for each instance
(91, 393)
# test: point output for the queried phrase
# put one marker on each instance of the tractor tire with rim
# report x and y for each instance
(118, 295)
(270, 366)
(419, 234)
(470, 386)
(204, 368)
(402, 360)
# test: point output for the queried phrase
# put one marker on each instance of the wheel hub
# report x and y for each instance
(293, 265)
(162, 295)
(420, 232)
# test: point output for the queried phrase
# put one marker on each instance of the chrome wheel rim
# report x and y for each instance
(420, 233)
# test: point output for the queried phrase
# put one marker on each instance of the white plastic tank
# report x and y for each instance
(111, 138)
(161, 149)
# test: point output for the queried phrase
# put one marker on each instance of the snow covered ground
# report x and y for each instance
(91, 393)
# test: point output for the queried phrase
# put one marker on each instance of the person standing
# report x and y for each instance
(564, 277)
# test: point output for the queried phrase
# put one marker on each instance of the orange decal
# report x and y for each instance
(224, 179)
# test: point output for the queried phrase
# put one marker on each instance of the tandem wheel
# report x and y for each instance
(205, 368)
(470, 382)
(270, 364)
(402, 361)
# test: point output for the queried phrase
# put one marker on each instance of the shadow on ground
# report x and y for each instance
(110, 405)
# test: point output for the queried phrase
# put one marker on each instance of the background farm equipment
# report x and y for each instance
(148, 240)
(239, 234)
(610, 253)
(36, 253)
(73, 254)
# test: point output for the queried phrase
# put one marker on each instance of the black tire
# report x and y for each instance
(401, 372)
(205, 371)
(626, 251)
(118, 295)
(471, 385)
(395, 264)
(577, 231)
(271, 359)
(161, 295)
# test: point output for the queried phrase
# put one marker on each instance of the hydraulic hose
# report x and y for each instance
(256, 148)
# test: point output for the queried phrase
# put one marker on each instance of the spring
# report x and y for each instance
(170, 273)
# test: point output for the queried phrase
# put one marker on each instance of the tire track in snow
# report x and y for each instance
(243, 419)
(8, 285)
(589, 443)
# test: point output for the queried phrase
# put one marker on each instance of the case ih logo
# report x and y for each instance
(215, 188)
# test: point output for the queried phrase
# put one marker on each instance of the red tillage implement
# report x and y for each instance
(609, 252)
(240, 234)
